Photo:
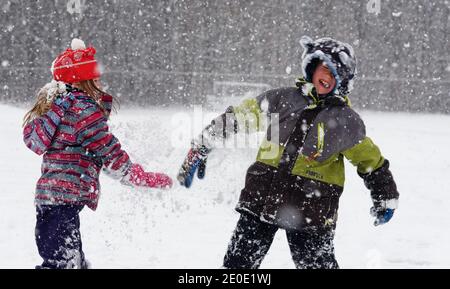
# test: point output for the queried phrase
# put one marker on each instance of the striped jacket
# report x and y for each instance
(76, 145)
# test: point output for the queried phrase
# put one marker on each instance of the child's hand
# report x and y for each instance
(194, 161)
(383, 211)
(138, 177)
(382, 217)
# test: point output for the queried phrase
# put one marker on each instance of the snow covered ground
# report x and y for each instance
(191, 228)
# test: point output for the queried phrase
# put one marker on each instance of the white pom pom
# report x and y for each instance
(77, 44)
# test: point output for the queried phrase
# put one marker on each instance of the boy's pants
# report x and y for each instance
(311, 248)
(58, 237)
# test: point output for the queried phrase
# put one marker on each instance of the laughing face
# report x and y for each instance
(323, 79)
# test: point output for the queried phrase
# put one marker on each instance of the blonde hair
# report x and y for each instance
(47, 94)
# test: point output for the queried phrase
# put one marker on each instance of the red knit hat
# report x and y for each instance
(76, 64)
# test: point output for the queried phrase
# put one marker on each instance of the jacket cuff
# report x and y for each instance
(388, 204)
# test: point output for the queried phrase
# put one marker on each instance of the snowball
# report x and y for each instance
(53, 88)
(77, 44)
(317, 193)
(307, 88)
(265, 105)
(288, 70)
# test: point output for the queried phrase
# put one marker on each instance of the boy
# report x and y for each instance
(298, 187)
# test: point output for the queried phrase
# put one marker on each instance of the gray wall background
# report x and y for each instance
(172, 51)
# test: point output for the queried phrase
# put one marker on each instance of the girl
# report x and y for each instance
(297, 180)
(68, 126)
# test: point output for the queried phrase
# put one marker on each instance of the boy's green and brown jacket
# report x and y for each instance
(309, 193)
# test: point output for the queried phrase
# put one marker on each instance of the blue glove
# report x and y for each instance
(382, 215)
(194, 161)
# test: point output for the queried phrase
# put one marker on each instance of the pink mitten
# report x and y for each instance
(138, 177)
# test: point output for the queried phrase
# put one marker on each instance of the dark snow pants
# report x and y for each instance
(58, 237)
(251, 240)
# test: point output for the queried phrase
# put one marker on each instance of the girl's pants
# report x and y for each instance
(310, 248)
(58, 237)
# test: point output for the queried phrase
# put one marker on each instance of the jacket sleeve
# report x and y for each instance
(38, 133)
(94, 135)
(373, 168)
(249, 116)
